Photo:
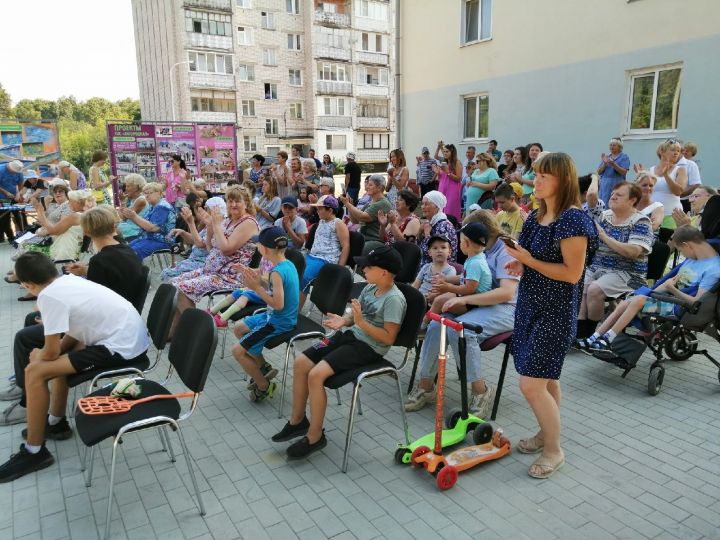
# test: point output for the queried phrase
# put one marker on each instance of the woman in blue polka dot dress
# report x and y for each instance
(551, 257)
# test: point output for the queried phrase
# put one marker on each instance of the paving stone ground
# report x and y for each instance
(637, 466)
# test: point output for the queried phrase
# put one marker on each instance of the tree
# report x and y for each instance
(5, 103)
(78, 140)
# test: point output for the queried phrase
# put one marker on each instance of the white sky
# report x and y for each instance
(50, 47)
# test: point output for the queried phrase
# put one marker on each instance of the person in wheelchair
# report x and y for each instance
(697, 275)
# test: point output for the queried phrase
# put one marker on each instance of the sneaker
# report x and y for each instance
(268, 372)
(24, 463)
(481, 404)
(219, 322)
(11, 393)
(418, 398)
(59, 432)
(258, 395)
(14, 414)
(583, 344)
(289, 431)
(303, 447)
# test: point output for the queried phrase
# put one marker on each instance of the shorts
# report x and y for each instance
(312, 269)
(252, 296)
(612, 282)
(343, 351)
(99, 357)
(261, 331)
(657, 307)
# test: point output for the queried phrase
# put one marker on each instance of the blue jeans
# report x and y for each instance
(353, 193)
(493, 319)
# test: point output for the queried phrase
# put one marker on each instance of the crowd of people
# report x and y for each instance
(529, 246)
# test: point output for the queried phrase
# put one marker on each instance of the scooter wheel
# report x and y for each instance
(446, 477)
(453, 417)
(419, 451)
(483, 433)
(402, 455)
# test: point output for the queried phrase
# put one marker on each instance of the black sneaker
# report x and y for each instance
(303, 447)
(290, 431)
(59, 432)
(258, 395)
(268, 372)
(24, 463)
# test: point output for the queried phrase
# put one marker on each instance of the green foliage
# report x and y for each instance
(5, 103)
(339, 167)
(78, 140)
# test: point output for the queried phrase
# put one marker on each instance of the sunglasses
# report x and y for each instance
(672, 141)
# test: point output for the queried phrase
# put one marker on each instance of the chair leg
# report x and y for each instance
(351, 426)
(162, 440)
(89, 454)
(337, 395)
(163, 431)
(403, 414)
(290, 346)
(501, 380)
(108, 515)
(359, 406)
(224, 342)
(188, 459)
(418, 348)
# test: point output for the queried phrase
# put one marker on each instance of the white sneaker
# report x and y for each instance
(481, 404)
(418, 398)
(12, 392)
(14, 414)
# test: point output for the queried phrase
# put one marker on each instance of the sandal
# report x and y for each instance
(533, 445)
(543, 468)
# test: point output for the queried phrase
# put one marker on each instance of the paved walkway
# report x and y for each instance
(637, 466)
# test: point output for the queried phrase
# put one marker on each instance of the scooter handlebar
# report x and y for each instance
(452, 323)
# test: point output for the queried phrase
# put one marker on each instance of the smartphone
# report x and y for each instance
(509, 242)
(342, 188)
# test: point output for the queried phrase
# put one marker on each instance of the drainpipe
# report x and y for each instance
(398, 111)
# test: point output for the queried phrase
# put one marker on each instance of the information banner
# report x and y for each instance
(29, 142)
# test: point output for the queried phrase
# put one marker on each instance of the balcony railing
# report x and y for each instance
(366, 57)
(195, 39)
(372, 156)
(372, 90)
(336, 20)
(212, 80)
(334, 122)
(334, 87)
(207, 116)
(373, 25)
(215, 5)
(335, 53)
(372, 123)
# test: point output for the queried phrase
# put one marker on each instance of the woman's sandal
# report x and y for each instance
(533, 445)
(543, 468)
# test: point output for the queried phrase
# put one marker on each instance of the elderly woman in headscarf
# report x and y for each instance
(437, 225)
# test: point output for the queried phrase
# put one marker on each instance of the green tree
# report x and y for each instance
(131, 107)
(5, 103)
(78, 140)
(67, 107)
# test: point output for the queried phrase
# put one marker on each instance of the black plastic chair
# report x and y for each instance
(657, 260)
(411, 257)
(161, 256)
(406, 338)
(310, 240)
(357, 243)
(191, 353)
(143, 290)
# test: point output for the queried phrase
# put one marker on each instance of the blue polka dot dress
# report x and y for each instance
(547, 310)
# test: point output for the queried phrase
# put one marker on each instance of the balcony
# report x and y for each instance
(372, 25)
(372, 123)
(365, 57)
(334, 20)
(334, 122)
(372, 156)
(215, 5)
(208, 41)
(334, 87)
(372, 90)
(211, 80)
(334, 53)
(207, 116)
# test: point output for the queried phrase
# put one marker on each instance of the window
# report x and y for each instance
(373, 42)
(654, 100)
(330, 37)
(270, 91)
(335, 142)
(328, 7)
(210, 62)
(331, 106)
(212, 101)
(292, 6)
(248, 107)
(372, 75)
(333, 72)
(476, 117)
(373, 10)
(243, 4)
(271, 126)
(293, 41)
(476, 20)
(375, 141)
(269, 57)
(295, 77)
(373, 109)
(267, 20)
(250, 143)
(246, 72)
(296, 110)
(202, 22)
(244, 35)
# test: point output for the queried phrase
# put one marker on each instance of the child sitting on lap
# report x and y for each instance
(439, 249)
(374, 324)
(282, 300)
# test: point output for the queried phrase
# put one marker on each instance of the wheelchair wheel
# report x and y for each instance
(655, 380)
(682, 346)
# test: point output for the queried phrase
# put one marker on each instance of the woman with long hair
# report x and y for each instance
(176, 182)
(527, 179)
(327, 167)
(269, 204)
(484, 179)
(398, 175)
(99, 181)
(449, 176)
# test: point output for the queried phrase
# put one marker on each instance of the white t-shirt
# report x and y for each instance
(693, 171)
(94, 315)
(662, 192)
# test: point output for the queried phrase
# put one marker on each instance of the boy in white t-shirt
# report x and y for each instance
(86, 326)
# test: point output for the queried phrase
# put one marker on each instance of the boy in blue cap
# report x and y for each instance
(295, 226)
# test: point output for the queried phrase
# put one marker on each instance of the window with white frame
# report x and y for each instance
(203, 22)
(271, 151)
(245, 36)
(245, 4)
(292, 6)
(295, 77)
(250, 143)
(373, 108)
(293, 42)
(212, 101)
(210, 62)
(476, 20)
(336, 142)
(248, 107)
(372, 75)
(246, 72)
(271, 126)
(270, 57)
(330, 37)
(476, 116)
(270, 91)
(267, 20)
(333, 72)
(654, 99)
(334, 106)
(376, 141)
(372, 10)
(373, 42)
(296, 110)
(328, 7)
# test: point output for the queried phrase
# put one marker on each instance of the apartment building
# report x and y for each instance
(316, 73)
(570, 74)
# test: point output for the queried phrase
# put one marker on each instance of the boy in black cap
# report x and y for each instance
(374, 324)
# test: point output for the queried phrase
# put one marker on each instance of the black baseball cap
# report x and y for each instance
(384, 257)
(438, 237)
(272, 237)
(290, 201)
(476, 232)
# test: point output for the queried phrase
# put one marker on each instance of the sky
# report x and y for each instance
(83, 48)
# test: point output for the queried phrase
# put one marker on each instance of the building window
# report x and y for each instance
(267, 20)
(270, 91)
(210, 62)
(477, 19)
(476, 117)
(331, 106)
(244, 35)
(296, 110)
(292, 6)
(212, 101)
(335, 142)
(246, 72)
(376, 141)
(328, 7)
(271, 126)
(372, 10)
(293, 42)
(248, 107)
(373, 42)
(333, 72)
(295, 77)
(269, 57)
(250, 143)
(202, 22)
(243, 4)
(654, 99)
(372, 75)
(373, 108)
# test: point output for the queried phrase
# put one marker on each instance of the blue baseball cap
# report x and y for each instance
(272, 237)
(30, 174)
(290, 201)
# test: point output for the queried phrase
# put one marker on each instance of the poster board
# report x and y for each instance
(208, 149)
(29, 141)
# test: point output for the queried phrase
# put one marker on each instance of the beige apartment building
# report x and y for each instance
(316, 73)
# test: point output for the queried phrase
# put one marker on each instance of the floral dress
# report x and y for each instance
(217, 272)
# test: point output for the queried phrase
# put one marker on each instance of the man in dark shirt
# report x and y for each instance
(352, 178)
